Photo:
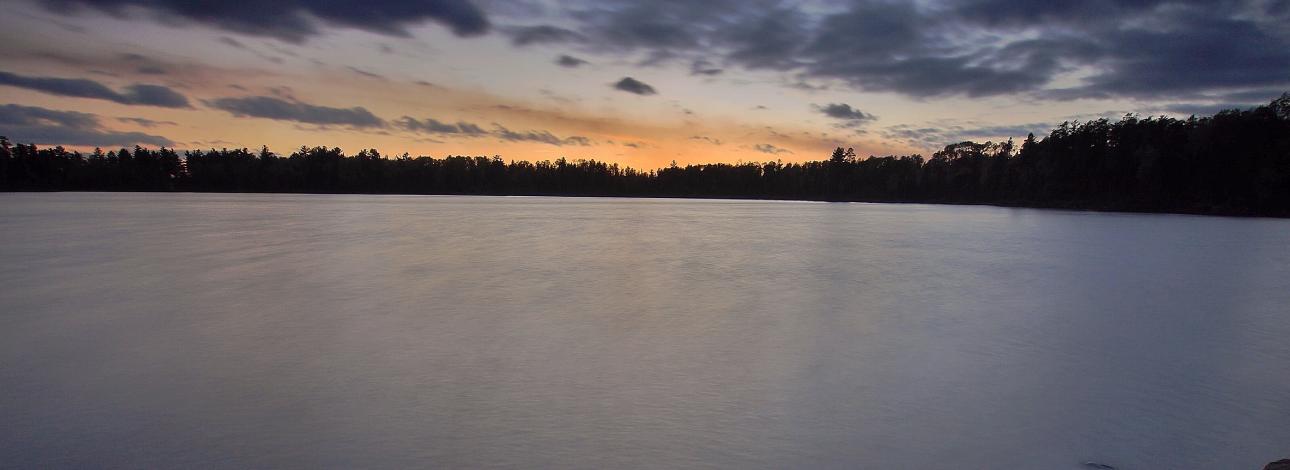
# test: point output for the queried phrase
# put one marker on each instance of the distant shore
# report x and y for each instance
(1059, 207)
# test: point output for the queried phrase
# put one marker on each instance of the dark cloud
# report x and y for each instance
(148, 95)
(753, 33)
(154, 95)
(434, 126)
(632, 85)
(852, 117)
(570, 61)
(883, 46)
(577, 140)
(17, 115)
(707, 139)
(1182, 50)
(661, 25)
(1195, 51)
(296, 20)
(30, 124)
(539, 136)
(542, 34)
(1259, 96)
(1201, 109)
(230, 42)
(144, 122)
(771, 149)
(1137, 49)
(75, 87)
(366, 73)
(769, 40)
(1026, 13)
(703, 67)
(269, 107)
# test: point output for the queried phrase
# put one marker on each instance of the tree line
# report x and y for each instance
(1234, 162)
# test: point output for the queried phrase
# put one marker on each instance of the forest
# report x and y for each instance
(1236, 162)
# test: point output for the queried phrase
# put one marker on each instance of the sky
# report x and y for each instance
(641, 83)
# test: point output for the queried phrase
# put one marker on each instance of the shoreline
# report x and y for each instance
(1072, 207)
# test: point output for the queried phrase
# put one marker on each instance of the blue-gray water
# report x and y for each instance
(296, 331)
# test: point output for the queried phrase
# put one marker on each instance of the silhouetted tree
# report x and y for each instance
(1235, 162)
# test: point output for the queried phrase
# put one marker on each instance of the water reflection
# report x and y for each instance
(386, 331)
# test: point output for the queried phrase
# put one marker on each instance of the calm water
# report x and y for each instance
(188, 330)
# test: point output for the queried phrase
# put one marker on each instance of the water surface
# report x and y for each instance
(301, 331)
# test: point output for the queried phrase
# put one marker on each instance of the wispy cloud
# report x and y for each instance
(771, 149)
(55, 127)
(269, 107)
(137, 94)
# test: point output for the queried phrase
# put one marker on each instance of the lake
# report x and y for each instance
(350, 331)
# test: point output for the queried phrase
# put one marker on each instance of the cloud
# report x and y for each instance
(1193, 51)
(80, 88)
(144, 122)
(542, 34)
(296, 20)
(707, 139)
(434, 126)
(366, 73)
(632, 85)
(142, 64)
(851, 117)
(150, 70)
(703, 67)
(30, 124)
(881, 46)
(771, 149)
(138, 94)
(155, 95)
(269, 107)
(1201, 109)
(1260, 96)
(577, 140)
(622, 25)
(1240, 100)
(976, 48)
(539, 136)
(570, 61)
(1014, 13)
(230, 42)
